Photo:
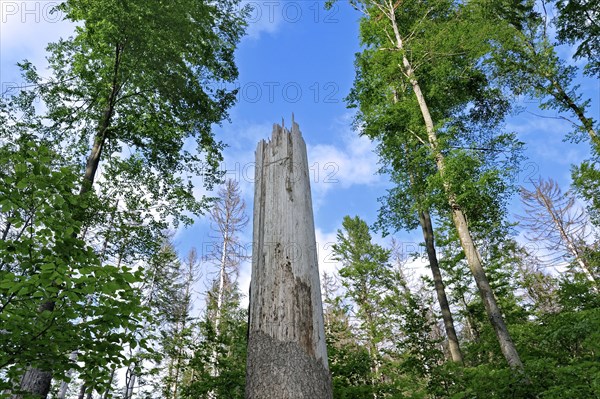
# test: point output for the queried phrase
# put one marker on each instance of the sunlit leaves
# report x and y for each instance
(55, 296)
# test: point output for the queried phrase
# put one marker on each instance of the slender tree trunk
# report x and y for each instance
(175, 364)
(374, 352)
(130, 375)
(485, 290)
(460, 222)
(222, 272)
(371, 346)
(561, 95)
(287, 356)
(130, 379)
(180, 351)
(6, 230)
(440, 290)
(471, 323)
(82, 391)
(214, 371)
(171, 370)
(93, 160)
(176, 379)
(428, 236)
(43, 378)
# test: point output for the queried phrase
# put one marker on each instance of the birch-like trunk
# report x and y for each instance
(440, 289)
(220, 293)
(287, 356)
(458, 217)
(130, 381)
(222, 272)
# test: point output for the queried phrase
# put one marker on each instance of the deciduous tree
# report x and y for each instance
(138, 76)
(431, 48)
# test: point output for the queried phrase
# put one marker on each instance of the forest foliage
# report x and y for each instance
(96, 301)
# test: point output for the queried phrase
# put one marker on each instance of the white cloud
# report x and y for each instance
(266, 17)
(244, 285)
(353, 162)
(246, 137)
(334, 167)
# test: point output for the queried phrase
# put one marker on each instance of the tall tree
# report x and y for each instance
(178, 341)
(393, 327)
(428, 236)
(349, 358)
(173, 328)
(217, 367)
(228, 219)
(391, 33)
(365, 267)
(57, 295)
(399, 208)
(161, 294)
(144, 86)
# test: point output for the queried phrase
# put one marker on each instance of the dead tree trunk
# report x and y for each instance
(35, 382)
(287, 356)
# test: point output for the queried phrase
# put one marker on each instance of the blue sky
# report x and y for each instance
(298, 57)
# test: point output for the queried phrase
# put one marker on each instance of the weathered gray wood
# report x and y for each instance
(287, 356)
(36, 383)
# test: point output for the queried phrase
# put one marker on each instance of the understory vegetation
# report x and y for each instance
(100, 163)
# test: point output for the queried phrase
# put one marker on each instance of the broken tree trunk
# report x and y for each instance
(287, 356)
